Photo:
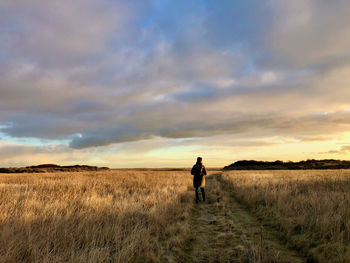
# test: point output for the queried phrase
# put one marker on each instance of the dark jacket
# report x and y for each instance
(198, 171)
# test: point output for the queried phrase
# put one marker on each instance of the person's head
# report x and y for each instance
(199, 159)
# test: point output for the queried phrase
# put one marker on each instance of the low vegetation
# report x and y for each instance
(109, 216)
(224, 231)
(148, 215)
(279, 165)
(309, 209)
(52, 168)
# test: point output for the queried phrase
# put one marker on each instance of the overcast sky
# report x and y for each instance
(156, 83)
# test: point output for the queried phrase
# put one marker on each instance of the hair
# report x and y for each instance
(199, 159)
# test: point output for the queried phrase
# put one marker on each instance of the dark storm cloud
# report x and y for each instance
(104, 72)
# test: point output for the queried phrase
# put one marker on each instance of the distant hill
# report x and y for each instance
(47, 168)
(279, 165)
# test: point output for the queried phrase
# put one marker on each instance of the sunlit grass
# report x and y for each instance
(311, 209)
(115, 216)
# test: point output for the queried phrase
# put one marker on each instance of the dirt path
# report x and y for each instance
(223, 231)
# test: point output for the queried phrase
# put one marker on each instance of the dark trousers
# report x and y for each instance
(197, 194)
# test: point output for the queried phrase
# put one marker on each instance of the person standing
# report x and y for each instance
(199, 172)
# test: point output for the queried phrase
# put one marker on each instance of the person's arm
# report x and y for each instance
(192, 170)
(204, 170)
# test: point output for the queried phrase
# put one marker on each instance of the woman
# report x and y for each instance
(199, 172)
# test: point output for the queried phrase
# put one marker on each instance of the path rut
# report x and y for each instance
(224, 231)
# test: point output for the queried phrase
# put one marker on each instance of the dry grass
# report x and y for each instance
(115, 216)
(226, 232)
(311, 209)
(146, 216)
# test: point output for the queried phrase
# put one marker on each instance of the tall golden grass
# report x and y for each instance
(115, 216)
(146, 216)
(310, 209)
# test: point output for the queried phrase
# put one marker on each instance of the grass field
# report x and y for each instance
(150, 216)
(116, 216)
(309, 209)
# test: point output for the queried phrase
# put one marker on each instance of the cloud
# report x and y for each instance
(310, 33)
(342, 150)
(301, 128)
(125, 71)
(52, 33)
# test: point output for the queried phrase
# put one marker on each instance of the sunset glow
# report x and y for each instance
(157, 83)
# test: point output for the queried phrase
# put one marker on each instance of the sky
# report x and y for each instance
(156, 83)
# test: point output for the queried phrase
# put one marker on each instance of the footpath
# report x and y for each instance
(225, 231)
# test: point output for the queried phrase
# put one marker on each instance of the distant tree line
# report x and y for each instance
(47, 168)
(280, 165)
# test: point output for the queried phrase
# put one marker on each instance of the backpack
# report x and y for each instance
(197, 169)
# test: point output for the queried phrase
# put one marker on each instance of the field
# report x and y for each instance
(309, 209)
(117, 216)
(151, 216)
